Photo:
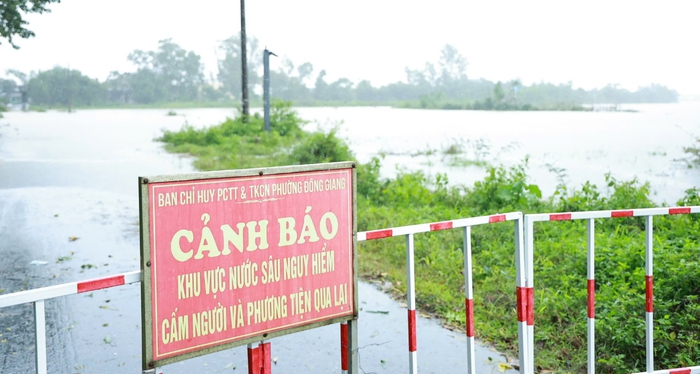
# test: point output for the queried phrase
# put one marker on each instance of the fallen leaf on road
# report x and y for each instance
(502, 367)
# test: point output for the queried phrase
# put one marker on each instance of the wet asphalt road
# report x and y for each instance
(69, 211)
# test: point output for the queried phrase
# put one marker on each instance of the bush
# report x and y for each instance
(321, 147)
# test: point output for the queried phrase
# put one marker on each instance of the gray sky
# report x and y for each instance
(590, 43)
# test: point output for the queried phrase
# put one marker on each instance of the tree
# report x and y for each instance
(305, 71)
(64, 87)
(118, 87)
(498, 92)
(321, 87)
(230, 65)
(453, 65)
(11, 17)
(168, 74)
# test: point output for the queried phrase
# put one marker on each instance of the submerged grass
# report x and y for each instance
(560, 250)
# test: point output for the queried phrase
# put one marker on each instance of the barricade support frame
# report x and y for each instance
(591, 216)
(466, 224)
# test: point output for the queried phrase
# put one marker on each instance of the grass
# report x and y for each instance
(560, 252)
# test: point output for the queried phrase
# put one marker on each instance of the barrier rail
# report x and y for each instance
(591, 216)
(466, 224)
(39, 295)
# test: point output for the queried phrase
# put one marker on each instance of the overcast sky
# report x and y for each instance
(591, 43)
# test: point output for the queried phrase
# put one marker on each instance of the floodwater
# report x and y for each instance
(69, 212)
(584, 146)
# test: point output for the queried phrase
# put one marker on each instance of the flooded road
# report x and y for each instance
(69, 211)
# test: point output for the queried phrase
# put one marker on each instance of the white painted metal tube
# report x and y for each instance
(591, 296)
(650, 292)
(40, 333)
(530, 294)
(521, 298)
(411, 301)
(469, 300)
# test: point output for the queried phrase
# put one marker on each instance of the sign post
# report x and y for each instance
(235, 257)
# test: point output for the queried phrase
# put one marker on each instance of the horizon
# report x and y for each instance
(592, 45)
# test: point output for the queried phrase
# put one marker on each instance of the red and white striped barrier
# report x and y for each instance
(591, 216)
(524, 262)
(39, 295)
(692, 370)
(466, 224)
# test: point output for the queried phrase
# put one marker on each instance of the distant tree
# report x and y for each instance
(64, 87)
(168, 74)
(7, 87)
(321, 87)
(498, 92)
(117, 87)
(428, 77)
(286, 86)
(514, 87)
(305, 70)
(341, 90)
(453, 65)
(12, 22)
(229, 75)
(365, 92)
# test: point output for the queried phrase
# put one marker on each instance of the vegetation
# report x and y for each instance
(12, 22)
(560, 258)
(170, 74)
(693, 153)
(498, 101)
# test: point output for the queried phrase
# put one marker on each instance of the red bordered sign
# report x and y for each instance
(235, 257)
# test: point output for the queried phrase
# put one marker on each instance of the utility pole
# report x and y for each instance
(266, 87)
(244, 66)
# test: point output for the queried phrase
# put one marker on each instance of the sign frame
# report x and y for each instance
(147, 286)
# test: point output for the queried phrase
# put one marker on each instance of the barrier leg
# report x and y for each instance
(253, 359)
(344, 348)
(591, 296)
(521, 293)
(410, 285)
(260, 359)
(469, 300)
(650, 293)
(353, 359)
(266, 358)
(529, 295)
(40, 332)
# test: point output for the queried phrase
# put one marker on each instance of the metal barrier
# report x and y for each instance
(466, 224)
(590, 216)
(524, 263)
(39, 295)
(259, 356)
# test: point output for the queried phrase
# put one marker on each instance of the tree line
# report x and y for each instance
(173, 74)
